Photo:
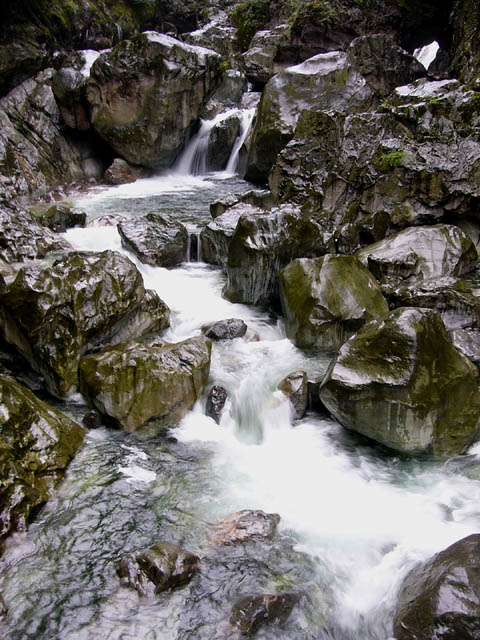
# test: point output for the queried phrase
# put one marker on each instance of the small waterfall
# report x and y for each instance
(193, 160)
(194, 246)
(246, 121)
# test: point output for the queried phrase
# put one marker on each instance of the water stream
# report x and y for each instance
(354, 518)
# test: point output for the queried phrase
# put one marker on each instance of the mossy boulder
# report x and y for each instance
(147, 93)
(62, 216)
(55, 314)
(132, 383)
(155, 240)
(263, 244)
(420, 253)
(36, 445)
(22, 238)
(401, 382)
(440, 598)
(326, 300)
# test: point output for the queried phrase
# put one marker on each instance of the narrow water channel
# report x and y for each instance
(354, 518)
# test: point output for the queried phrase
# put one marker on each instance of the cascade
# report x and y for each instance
(246, 121)
(427, 54)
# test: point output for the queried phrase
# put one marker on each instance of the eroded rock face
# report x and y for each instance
(294, 386)
(244, 526)
(326, 300)
(163, 566)
(53, 315)
(133, 383)
(22, 238)
(263, 244)
(401, 382)
(420, 253)
(468, 342)
(147, 92)
(414, 161)
(339, 81)
(250, 613)
(441, 597)
(36, 445)
(155, 240)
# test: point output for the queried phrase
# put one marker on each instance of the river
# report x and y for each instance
(354, 517)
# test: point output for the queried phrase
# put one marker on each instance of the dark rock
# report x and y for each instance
(135, 383)
(69, 87)
(294, 386)
(22, 238)
(220, 142)
(55, 314)
(465, 21)
(401, 382)
(259, 60)
(147, 93)
(36, 445)
(163, 566)
(313, 390)
(3, 608)
(62, 216)
(441, 597)
(244, 526)
(155, 240)
(92, 420)
(121, 172)
(252, 612)
(226, 329)
(216, 400)
(326, 300)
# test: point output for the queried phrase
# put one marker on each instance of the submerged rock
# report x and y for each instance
(250, 613)
(401, 382)
(134, 383)
(216, 400)
(155, 239)
(163, 566)
(226, 329)
(326, 300)
(36, 445)
(55, 314)
(294, 386)
(244, 526)
(147, 93)
(441, 597)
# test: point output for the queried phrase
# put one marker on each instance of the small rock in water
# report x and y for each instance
(295, 387)
(216, 402)
(162, 566)
(92, 420)
(251, 612)
(121, 172)
(226, 329)
(245, 525)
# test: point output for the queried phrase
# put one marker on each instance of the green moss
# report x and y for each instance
(386, 162)
(249, 16)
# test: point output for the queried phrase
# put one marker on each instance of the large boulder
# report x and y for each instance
(36, 445)
(121, 172)
(62, 216)
(415, 161)
(339, 81)
(36, 154)
(440, 598)
(259, 60)
(132, 384)
(55, 314)
(163, 566)
(420, 253)
(216, 236)
(326, 300)
(155, 240)
(22, 238)
(147, 93)
(401, 382)
(263, 244)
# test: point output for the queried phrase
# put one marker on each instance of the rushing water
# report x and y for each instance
(354, 518)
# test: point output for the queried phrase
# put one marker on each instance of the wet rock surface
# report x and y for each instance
(226, 329)
(55, 314)
(217, 397)
(250, 613)
(155, 240)
(441, 597)
(294, 386)
(133, 383)
(401, 382)
(468, 342)
(244, 526)
(121, 172)
(326, 300)
(163, 566)
(36, 445)
(62, 216)
(146, 94)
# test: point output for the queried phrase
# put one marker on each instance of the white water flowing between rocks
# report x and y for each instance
(363, 518)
